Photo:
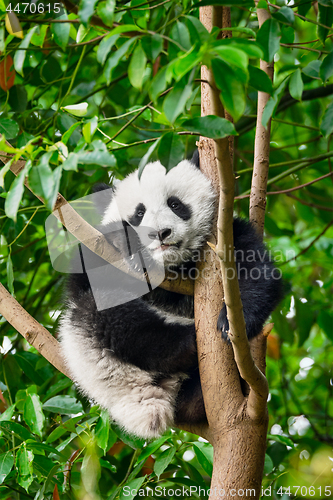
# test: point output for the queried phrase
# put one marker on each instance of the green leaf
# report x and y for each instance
(6, 465)
(69, 132)
(325, 16)
(284, 15)
(41, 180)
(325, 321)
(102, 430)
(61, 31)
(90, 470)
(144, 160)
(39, 36)
(273, 102)
(2, 39)
(158, 84)
(326, 68)
(312, 69)
(8, 127)
(65, 405)
(296, 85)
(76, 109)
(33, 414)
(18, 98)
(129, 439)
(268, 466)
(86, 10)
(231, 81)
(13, 428)
(10, 274)
(137, 67)
(71, 162)
(304, 321)
(152, 447)
(175, 101)
(99, 156)
(15, 194)
(281, 439)
(27, 362)
(181, 35)
(287, 34)
(89, 128)
(105, 10)
(24, 460)
(259, 80)
(183, 64)
(204, 457)
(303, 7)
(232, 55)
(130, 489)
(105, 46)
(8, 413)
(171, 150)
(326, 126)
(211, 126)
(268, 38)
(163, 460)
(116, 57)
(19, 56)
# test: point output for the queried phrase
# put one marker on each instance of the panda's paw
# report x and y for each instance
(148, 413)
(223, 323)
(157, 410)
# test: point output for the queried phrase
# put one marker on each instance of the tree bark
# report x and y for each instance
(237, 423)
(261, 147)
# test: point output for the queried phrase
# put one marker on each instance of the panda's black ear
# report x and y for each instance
(196, 159)
(101, 186)
(103, 198)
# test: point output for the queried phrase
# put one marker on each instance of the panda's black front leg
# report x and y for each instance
(223, 323)
(260, 282)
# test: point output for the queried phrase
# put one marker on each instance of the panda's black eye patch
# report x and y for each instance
(179, 208)
(136, 218)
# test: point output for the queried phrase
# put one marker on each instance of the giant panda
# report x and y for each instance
(136, 356)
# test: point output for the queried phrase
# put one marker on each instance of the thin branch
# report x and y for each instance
(245, 124)
(261, 147)
(31, 330)
(308, 204)
(302, 17)
(310, 245)
(285, 191)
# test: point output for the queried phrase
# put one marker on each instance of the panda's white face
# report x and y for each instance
(176, 207)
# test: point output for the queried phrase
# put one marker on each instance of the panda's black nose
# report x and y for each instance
(160, 235)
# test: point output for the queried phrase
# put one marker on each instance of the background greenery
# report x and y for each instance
(136, 65)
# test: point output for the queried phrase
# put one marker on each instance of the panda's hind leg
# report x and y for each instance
(148, 409)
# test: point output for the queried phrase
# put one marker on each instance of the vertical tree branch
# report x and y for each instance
(238, 424)
(261, 147)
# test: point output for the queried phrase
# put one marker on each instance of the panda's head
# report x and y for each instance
(176, 207)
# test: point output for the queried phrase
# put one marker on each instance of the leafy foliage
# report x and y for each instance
(89, 94)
